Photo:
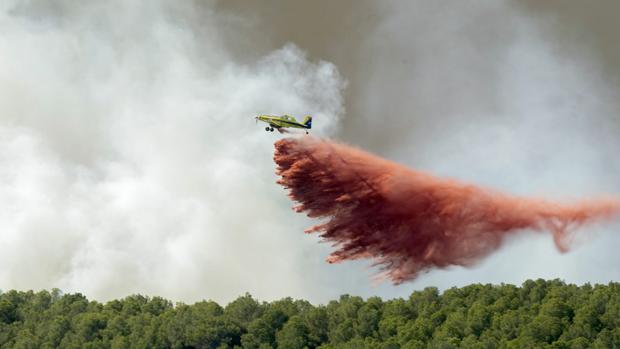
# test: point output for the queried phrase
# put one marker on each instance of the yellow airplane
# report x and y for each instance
(285, 121)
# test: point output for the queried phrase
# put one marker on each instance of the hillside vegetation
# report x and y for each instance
(539, 314)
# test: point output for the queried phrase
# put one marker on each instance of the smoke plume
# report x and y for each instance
(125, 129)
(407, 221)
(129, 152)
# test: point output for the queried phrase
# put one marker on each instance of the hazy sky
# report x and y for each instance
(130, 161)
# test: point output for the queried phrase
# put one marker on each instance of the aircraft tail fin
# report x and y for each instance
(308, 121)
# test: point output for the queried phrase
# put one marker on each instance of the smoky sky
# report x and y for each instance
(130, 161)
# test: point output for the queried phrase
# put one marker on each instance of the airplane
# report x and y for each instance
(285, 121)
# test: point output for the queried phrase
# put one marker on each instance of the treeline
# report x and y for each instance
(539, 314)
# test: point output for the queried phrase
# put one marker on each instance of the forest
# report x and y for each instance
(537, 314)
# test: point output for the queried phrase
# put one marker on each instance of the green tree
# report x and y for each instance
(293, 335)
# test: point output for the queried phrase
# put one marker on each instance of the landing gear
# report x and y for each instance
(307, 132)
(271, 129)
(267, 128)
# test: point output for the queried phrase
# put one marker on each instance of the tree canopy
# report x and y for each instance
(538, 314)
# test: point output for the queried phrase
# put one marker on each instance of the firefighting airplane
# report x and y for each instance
(285, 121)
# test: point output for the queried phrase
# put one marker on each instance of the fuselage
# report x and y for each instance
(285, 121)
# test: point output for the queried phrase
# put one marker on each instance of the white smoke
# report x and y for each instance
(130, 161)
(129, 157)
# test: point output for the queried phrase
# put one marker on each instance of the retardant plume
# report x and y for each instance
(407, 221)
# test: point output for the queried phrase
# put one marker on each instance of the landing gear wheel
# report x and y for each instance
(307, 132)
(271, 129)
(267, 128)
